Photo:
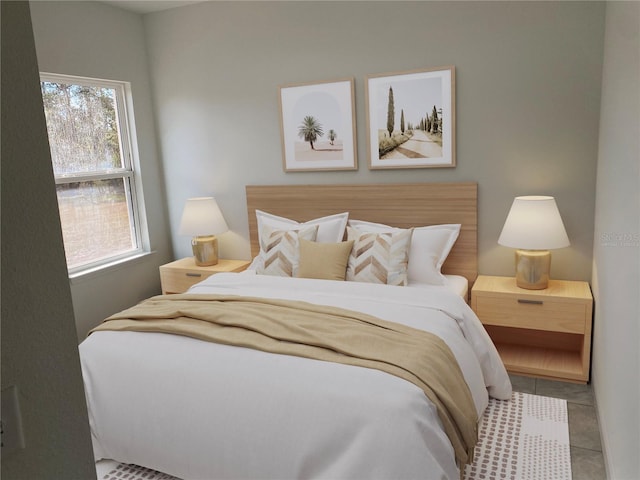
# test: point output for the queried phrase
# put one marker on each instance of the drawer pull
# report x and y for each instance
(194, 274)
(530, 302)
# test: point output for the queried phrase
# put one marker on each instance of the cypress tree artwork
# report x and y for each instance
(390, 113)
(434, 121)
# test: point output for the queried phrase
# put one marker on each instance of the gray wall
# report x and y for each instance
(39, 349)
(616, 255)
(96, 40)
(528, 83)
(528, 99)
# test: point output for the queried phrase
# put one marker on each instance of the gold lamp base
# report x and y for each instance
(205, 250)
(532, 269)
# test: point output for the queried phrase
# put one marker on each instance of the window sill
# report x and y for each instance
(106, 268)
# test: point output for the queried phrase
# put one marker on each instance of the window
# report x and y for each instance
(91, 151)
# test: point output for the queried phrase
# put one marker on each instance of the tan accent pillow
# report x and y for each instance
(325, 261)
(282, 251)
(379, 257)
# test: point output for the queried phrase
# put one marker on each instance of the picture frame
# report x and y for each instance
(411, 119)
(318, 126)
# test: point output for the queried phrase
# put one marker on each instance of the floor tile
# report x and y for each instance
(523, 384)
(583, 427)
(571, 392)
(587, 464)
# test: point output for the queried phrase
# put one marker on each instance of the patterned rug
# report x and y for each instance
(525, 438)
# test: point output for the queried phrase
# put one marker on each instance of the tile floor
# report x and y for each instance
(587, 461)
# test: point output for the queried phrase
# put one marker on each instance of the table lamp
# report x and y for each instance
(533, 227)
(203, 220)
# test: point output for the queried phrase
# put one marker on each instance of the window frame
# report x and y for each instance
(129, 172)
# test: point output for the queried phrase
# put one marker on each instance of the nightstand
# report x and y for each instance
(541, 333)
(178, 276)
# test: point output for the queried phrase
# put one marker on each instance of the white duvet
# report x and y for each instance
(201, 411)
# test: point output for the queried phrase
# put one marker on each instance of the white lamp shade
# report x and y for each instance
(202, 216)
(534, 223)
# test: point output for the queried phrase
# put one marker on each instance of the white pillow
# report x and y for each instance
(379, 257)
(281, 255)
(430, 247)
(330, 229)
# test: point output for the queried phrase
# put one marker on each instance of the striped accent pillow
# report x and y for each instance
(379, 257)
(282, 250)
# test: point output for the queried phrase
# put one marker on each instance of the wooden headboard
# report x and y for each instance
(398, 205)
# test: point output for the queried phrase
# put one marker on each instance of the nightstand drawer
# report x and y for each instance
(178, 276)
(548, 315)
(178, 281)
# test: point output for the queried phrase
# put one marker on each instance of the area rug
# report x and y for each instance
(524, 438)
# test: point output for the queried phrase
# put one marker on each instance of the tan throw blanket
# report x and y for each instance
(323, 333)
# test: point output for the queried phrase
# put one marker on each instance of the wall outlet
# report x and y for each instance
(11, 423)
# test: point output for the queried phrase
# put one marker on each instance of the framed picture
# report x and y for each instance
(318, 126)
(411, 119)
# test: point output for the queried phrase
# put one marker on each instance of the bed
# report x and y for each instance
(214, 409)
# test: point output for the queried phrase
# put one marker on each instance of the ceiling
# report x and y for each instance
(148, 6)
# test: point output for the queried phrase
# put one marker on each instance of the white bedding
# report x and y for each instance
(458, 284)
(200, 411)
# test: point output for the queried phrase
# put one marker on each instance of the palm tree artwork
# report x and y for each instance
(310, 129)
(332, 135)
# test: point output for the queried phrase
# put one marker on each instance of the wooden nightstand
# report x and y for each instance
(178, 276)
(542, 333)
